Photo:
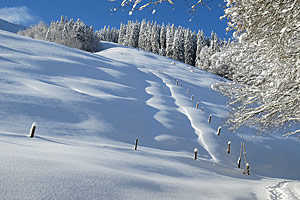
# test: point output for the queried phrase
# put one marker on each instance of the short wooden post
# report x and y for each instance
(136, 144)
(239, 162)
(228, 148)
(209, 119)
(195, 153)
(175, 79)
(202, 109)
(219, 129)
(187, 91)
(240, 158)
(32, 129)
(192, 97)
(180, 84)
(177, 82)
(197, 105)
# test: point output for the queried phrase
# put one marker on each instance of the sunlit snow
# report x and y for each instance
(90, 108)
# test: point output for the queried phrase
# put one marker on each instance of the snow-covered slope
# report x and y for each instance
(90, 108)
(7, 26)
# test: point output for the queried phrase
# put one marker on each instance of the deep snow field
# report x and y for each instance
(89, 110)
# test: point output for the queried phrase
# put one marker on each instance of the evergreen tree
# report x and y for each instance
(148, 45)
(189, 48)
(214, 42)
(155, 38)
(169, 40)
(178, 45)
(143, 35)
(122, 34)
(162, 37)
(134, 34)
(204, 58)
(201, 42)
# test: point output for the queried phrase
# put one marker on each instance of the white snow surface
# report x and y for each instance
(90, 108)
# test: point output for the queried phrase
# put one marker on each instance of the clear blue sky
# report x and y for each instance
(98, 14)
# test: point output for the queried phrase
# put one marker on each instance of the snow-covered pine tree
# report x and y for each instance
(76, 35)
(38, 31)
(215, 45)
(162, 37)
(148, 45)
(189, 47)
(122, 34)
(170, 39)
(201, 42)
(178, 45)
(129, 28)
(115, 35)
(134, 34)
(155, 38)
(204, 58)
(103, 34)
(142, 35)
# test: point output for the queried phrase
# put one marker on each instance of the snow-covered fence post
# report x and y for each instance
(197, 105)
(32, 129)
(180, 84)
(187, 91)
(192, 98)
(240, 158)
(177, 82)
(228, 148)
(202, 109)
(219, 129)
(209, 119)
(136, 144)
(195, 153)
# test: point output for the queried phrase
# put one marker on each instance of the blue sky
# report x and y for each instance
(98, 14)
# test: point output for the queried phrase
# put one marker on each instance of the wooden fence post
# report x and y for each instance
(219, 129)
(32, 129)
(240, 158)
(136, 144)
(209, 119)
(192, 98)
(228, 148)
(197, 105)
(195, 153)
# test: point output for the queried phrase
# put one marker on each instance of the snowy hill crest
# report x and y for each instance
(10, 27)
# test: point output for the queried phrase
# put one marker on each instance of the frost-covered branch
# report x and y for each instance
(134, 5)
(266, 87)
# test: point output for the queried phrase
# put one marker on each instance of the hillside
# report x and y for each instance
(90, 108)
(10, 27)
